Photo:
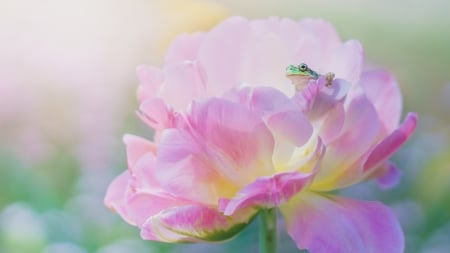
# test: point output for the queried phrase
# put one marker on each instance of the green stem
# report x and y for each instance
(268, 231)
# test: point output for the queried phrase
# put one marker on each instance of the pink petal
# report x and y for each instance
(331, 125)
(323, 224)
(236, 138)
(115, 195)
(261, 100)
(317, 41)
(135, 194)
(358, 135)
(195, 223)
(390, 176)
(184, 81)
(184, 169)
(221, 54)
(136, 148)
(392, 142)
(156, 114)
(223, 146)
(150, 79)
(347, 61)
(328, 97)
(184, 48)
(382, 90)
(142, 205)
(290, 126)
(266, 192)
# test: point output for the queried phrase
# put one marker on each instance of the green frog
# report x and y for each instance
(301, 74)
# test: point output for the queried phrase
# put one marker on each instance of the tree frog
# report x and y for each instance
(301, 74)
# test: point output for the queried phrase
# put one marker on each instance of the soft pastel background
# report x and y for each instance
(67, 95)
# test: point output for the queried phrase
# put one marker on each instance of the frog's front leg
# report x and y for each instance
(329, 77)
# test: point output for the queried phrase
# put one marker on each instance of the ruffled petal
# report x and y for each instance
(222, 146)
(235, 138)
(195, 223)
(323, 224)
(185, 169)
(266, 192)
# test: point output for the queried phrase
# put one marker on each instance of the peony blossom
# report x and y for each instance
(233, 136)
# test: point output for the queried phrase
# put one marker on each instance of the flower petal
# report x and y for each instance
(390, 177)
(261, 100)
(266, 192)
(142, 205)
(347, 61)
(195, 223)
(136, 148)
(235, 138)
(358, 135)
(183, 82)
(184, 48)
(381, 88)
(290, 126)
(391, 143)
(115, 195)
(150, 79)
(221, 54)
(317, 41)
(155, 113)
(323, 224)
(184, 169)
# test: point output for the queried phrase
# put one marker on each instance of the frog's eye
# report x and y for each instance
(303, 67)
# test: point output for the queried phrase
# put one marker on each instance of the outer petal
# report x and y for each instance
(266, 192)
(184, 48)
(136, 148)
(391, 143)
(317, 41)
(115, 195)
(382, 90)
(221, 54)
(261, 100)
(389, 177)
(155, 113)
(323, 224)
(195, 223)
(358, 135)
(347, 61)
(184, 81)
(150, 79)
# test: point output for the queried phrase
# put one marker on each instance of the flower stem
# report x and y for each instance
(268, 231)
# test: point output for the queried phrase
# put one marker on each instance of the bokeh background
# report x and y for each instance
(67, 95)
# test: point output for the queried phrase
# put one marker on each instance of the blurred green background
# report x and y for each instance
(67, 95)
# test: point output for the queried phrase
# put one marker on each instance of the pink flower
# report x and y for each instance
(232, 137)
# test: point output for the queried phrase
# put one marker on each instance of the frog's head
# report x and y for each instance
(301, 70)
